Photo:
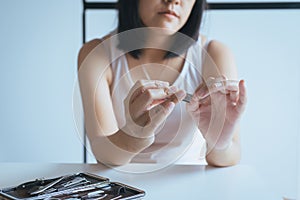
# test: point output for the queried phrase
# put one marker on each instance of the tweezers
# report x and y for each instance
(217, 84)
(188, 97)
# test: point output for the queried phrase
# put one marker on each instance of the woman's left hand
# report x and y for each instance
(216, 108)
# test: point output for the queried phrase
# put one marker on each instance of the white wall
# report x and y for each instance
(266, 45)
(38, 44)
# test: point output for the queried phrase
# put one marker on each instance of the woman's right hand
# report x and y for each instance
(148, 105)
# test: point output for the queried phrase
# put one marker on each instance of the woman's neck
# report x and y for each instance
(156, 47)
(152, 55)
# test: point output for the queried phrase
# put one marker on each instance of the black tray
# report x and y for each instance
(92, 187)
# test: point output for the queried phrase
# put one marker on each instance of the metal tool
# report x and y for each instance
(44, 188)
(188, 98)
(216, 85)
(118, 197)
(76, 181)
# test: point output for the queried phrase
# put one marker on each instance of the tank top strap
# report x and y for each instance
(196, 54)
(111, 45)
(206, 43)
(205, 46)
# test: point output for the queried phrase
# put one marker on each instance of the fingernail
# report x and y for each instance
(161, 84)
(171, 90)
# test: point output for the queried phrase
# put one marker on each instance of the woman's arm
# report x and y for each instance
(220, 61)
(147, 105)
(109, 144)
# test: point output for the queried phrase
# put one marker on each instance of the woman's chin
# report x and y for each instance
(168, 31)
(163, 30)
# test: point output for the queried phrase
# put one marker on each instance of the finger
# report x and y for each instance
(209, 81)
(143, 116)
(230, 103)
(200, 92)
(234, 95)
(205, 101)
(212, 80)
(202, 84)
(142, 85)
(159, 113)
(200, 97)
(148, 99)
(217, 100)
(153, 118)
(231, 85)
(223, 77)
(234, 84)
(242, 96)
(156, 83)
(209, 86)
(143, 119)
(192, 106)
(153, 97)
(205, 109)
(171, 90)
(214, 92)
(220, 79)
(223, 84)
(178, 96)
(217, 86)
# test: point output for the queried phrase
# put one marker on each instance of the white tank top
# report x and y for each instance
(178, 140)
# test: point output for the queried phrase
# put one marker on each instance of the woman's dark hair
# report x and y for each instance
(129, 19)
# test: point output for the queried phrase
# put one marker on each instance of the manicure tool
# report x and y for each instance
(70, 191)
(102, 197)
(43, 188)
(118, 197)
(75, 182)
(218, 84)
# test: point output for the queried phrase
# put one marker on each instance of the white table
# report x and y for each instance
(240, 182)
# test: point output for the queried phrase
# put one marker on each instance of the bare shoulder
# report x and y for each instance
(86, 49)
(93, 58)
(90, 46)
(222, 57)
(216, 49)
(214, 46)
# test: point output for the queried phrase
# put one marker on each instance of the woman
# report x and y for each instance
(133, 83)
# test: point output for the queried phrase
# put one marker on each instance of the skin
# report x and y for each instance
(146, 106)
(154, 14)
(224, 144)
